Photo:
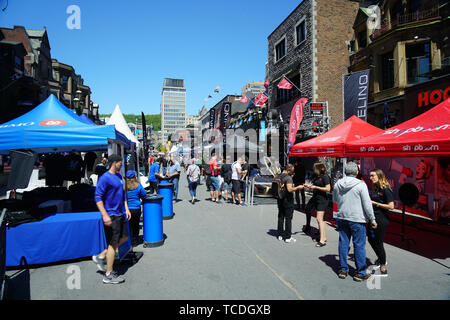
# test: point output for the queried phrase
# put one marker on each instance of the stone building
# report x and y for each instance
(310, 48)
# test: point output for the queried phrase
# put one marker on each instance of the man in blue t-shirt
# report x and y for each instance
(154, 175)
(111, 202)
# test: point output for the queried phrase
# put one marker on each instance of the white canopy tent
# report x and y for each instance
(121, 125)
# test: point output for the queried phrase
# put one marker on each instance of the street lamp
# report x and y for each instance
(77, 102)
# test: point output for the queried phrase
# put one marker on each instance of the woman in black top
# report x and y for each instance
(319, 201)
(382, 201)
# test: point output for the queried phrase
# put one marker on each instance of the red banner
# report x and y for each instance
(284, 84)
(296, 119)
(260, 99)
(244, 99)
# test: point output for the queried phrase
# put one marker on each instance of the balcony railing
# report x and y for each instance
(405, 19)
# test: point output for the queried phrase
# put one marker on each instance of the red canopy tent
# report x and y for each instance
(334, 142)
(425, 135)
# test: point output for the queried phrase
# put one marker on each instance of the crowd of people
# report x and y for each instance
(362, 212)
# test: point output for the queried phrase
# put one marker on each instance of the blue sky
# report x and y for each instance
(125, 49)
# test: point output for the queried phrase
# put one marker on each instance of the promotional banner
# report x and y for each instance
(356, 92)
(145, 143)
(419, 171)
(211, 118)
(296, 119)
(226, 113)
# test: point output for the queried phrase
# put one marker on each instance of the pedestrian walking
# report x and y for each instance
(173, 174)
(193, 175)
(321, 184)
(299, 180)
(382, 200)
(226, 172)
(354, 211)
(286, 204)
(110, 200)
(154, 175)
(215, 183)
(135, 192)
(236, 177)
(207, 172)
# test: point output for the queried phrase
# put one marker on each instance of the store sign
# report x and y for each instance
(316, 109)
(53, 123)
(424, 96)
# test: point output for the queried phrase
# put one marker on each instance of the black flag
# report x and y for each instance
(145, 146)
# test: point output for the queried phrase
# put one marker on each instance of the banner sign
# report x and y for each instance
(356, 92)
(296, 119)
(211, 118)
(226, 113)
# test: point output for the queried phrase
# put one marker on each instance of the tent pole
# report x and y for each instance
(344, 163)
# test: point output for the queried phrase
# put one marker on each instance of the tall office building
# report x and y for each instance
(173, 107)
(252, 89)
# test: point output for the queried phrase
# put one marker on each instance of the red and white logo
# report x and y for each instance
(53, 123)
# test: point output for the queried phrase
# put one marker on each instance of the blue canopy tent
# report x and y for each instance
(85, 119)
(51, 127)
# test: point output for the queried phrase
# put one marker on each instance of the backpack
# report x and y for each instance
(207, 169)
(278, 189)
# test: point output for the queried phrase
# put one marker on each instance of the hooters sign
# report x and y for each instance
(52, 123)
(296, 119)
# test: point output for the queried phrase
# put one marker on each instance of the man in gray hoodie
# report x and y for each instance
(354, 211)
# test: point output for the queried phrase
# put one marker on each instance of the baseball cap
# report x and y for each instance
(130, 174)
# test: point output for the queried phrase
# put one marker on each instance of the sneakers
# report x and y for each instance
(290, 240)
(113, 278)
(377, 265)
(342, 274)
(100, 262)
(360, 278)
(280, 238)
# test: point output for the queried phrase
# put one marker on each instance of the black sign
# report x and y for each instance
(356, 92)
(211, 118)
(226, 113)
(145, 143)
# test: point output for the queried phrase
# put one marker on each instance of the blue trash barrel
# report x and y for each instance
(163, 180)
(153, 221)
(166, 190)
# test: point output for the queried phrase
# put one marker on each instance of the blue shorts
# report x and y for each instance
(215, 184)
(227, 186)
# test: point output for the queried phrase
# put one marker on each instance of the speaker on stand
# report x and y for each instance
(409, 195)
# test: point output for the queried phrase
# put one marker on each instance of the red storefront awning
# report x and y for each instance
(425, 135)
(334, 142)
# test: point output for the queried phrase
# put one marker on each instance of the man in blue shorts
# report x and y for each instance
(111, 202)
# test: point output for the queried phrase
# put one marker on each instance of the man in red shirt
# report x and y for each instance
(215, 182)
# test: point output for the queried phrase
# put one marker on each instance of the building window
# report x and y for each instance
(387, 70)
(418, 63)
(64, 82)
(300, 32)
(280, 49)
(362, 39)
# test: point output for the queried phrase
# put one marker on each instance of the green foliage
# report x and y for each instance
(155, 119)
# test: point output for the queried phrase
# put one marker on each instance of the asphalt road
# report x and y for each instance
(224, 251)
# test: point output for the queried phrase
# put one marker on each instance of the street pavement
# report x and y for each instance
(224, 251)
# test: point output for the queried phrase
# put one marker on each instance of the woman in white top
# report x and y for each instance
(193, 176)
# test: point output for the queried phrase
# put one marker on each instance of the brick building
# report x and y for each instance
(310, 48)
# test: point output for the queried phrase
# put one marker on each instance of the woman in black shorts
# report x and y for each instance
(319, 201)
